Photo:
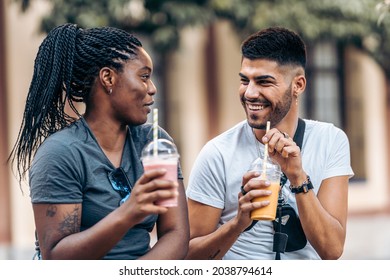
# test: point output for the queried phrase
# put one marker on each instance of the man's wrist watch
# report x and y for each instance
(304, 188)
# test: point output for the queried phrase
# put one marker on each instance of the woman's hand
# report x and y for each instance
(147, 191)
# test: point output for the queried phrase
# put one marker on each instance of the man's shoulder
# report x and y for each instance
(315, 125)
(227, 141)
(320, 131)
(237, 130)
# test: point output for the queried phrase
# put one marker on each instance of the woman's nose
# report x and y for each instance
(152, 90)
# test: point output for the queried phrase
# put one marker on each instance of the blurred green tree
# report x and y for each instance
(348, 21)
(383, 8)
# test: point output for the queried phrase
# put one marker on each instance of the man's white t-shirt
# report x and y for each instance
(216, 178)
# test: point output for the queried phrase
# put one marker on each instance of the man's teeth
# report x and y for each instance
(256, 107)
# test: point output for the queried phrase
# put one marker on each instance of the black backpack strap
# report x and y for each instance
(298, 136)
(280, 238)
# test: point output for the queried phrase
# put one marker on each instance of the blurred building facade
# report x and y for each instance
(345, 86)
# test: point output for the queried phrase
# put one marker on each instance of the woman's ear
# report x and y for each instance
(107, 78)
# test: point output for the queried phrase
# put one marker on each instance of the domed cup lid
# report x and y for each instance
(163, 148)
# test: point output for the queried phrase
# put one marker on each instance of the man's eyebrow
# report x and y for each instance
(262, 77)
(242, 76)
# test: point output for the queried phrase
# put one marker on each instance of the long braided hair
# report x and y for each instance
(67, 64)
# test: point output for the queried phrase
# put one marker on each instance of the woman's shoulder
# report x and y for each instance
(144, 132)
(65, 138)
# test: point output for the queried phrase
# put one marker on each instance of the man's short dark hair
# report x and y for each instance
(277, 44)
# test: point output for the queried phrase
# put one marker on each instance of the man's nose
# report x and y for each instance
(252, 91)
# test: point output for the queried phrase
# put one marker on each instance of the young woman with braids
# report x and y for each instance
(76, 165)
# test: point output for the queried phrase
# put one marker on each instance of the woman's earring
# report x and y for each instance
(110, 91)
(296, 101)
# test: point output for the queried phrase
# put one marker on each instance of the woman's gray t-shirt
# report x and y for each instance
(70, 167)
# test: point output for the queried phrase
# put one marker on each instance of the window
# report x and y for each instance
(325, 99)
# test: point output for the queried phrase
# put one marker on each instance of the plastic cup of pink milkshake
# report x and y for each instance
(162, 153)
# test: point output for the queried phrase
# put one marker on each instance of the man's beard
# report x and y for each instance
(280, 111)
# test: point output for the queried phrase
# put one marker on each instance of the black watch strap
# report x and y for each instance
(304, 188)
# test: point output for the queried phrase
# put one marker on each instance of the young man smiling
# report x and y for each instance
(317, 170)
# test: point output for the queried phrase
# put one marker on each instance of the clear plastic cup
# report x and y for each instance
(162, 154)
(269, 171)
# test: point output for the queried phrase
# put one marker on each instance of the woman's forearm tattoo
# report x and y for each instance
(71, 222)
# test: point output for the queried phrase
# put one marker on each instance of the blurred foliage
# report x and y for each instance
(362, 23)
(162, 20)
(383, 8)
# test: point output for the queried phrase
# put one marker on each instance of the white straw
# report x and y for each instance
(155, 130)
(265, 153)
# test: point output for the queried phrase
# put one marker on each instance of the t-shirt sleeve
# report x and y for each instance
(207, 179)
(56, 174)
(339, 161)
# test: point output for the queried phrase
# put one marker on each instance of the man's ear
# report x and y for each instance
(299, 85)
(107, 78)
